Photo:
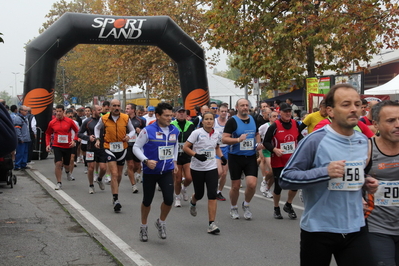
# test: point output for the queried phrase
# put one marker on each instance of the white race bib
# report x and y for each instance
(165, 152)
(210, 153)
(247, 145)
(62, 138)
(116, 146)
(89, 156)
(387, 193)
(352, 180)
(288, 147)
(181, 147)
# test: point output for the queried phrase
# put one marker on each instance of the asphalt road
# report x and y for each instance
(260, 241)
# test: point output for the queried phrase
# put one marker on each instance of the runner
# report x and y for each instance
(203, 145)
(133, 163)
(115, 126)
(63, 143)
(157, 148)
(93, 154)
(242, 134)
(329, 167)
(220, 123)
(183, 160)
(268, 178)
(383, 214)
(314, 118)
(281, 140)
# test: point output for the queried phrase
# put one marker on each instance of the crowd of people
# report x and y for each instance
(342, 158)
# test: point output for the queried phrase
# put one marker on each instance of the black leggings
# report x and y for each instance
(210, 178)
(165, 182)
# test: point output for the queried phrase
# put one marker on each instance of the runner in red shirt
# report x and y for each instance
(63, 143)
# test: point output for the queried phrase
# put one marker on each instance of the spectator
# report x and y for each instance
(22, 131)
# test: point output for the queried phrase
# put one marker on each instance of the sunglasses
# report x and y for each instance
(214, 108)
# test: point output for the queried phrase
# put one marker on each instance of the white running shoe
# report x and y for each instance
(143, 233)
(95, 177)
(70, 177)
(85, 169)
(137, 177)
(234, 213)
(247, 212)
(268, 194)
(184, 193)
(193, 209)
(134, 189)
(91, 190)
(100, 184)
(177, 201)
(263, 186)
(213, 229)
(58, 186)
(161, 229)
(107, 180)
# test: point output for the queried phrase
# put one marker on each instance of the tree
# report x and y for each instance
(5, 96)
(293, 39)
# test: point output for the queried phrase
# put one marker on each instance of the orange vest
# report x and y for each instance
(115, 132)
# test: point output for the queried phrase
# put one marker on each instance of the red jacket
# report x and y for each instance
(62, 132)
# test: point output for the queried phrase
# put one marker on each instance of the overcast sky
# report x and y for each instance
(20, 21)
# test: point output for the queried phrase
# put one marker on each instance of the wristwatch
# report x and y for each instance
(145, 161)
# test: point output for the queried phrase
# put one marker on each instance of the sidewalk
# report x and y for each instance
(36, 230)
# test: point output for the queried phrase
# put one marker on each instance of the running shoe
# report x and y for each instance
(125, 173)
(58, 186)
(100, 184)
(86, 170)
(70, 177)
(300, 194)
(184, 193)
(117, 206)
(143, 233)
(268, 194)
(213, 229)
(193, 209)
(277, 214)
(107, 180)
(247, 212)
(91, 190)
(134, 189)
(220, 197)
(234, 213)
(288, 209)
(161, 229)
(95, 177)
(177, 201)
(263, 186)
(137, 177)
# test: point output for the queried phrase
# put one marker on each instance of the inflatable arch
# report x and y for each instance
(43, 53)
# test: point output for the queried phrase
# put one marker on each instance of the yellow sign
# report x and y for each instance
(312, 85)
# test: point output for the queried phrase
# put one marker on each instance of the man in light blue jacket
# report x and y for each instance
(23, 135)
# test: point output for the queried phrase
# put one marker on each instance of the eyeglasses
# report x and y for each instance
(214, 108)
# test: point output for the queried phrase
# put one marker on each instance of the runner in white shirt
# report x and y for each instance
(203, 145)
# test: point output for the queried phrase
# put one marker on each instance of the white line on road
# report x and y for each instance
(122, 245)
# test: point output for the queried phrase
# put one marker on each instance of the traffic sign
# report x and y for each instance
(20, 97)
(66, 96)
(74, 100)
(66, 103)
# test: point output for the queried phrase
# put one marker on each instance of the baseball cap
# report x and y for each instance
(180, 108)
(151, 108)
(285, 107)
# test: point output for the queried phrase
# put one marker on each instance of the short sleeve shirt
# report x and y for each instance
(204, 143)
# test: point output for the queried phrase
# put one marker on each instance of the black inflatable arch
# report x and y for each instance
(43, 53)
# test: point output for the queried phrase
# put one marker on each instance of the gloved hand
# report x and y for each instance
(201, 157)
(224, 160)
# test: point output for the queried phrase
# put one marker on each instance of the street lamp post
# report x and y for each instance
(16, 90)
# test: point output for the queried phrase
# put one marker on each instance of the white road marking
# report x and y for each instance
(122, 245)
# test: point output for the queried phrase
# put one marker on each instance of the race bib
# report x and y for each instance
(352, 180)
(288, 147)
(247, 145)
(89, 156)
(62, 139)
(210, 153)
(181, 147)
(116, 146)
(133, 139)
(165, 152)
(387, 193)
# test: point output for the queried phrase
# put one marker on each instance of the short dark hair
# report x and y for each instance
(364, 101)
(106, 103)
(289, 99)
(13, 108)
(132, 106)
(224, 105)
(60, 106)
(69, 110)
(330, 95)
(376, 109)
(206, 113)
(277, 101)
(161, 107)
